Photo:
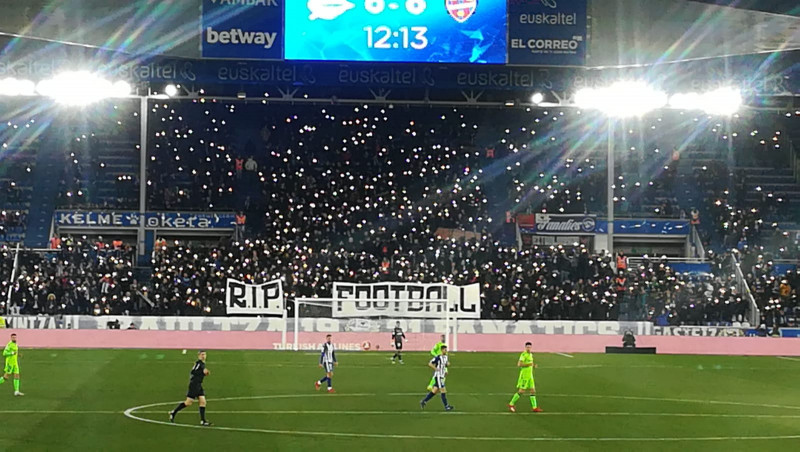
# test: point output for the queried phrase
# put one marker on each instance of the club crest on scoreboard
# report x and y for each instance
(461, 10)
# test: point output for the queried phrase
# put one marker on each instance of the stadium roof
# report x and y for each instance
(788, 7)
(623, 33)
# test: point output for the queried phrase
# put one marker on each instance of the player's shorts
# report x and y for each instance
(11, 369)
(195, 391)
(526, 383)
(438, 382)
(328, 367)
(398, 345)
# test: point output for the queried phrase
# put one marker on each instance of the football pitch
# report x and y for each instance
(119, 399)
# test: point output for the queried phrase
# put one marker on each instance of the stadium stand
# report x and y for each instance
(358, 193)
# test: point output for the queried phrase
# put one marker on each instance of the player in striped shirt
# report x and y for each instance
(436, 351)
(439, 365)
(398, 336)
(327, 360)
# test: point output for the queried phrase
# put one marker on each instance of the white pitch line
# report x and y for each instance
(564, 354)
(473, 394)
(788, 358)
(497, 413)
(429, 413)
(411, 363)
(59, 412)
(130, 414)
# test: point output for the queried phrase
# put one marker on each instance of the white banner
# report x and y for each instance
(698, 331)
(34, 322)
(328, 325)
(464, 301)
(243, 298)
(565, 224)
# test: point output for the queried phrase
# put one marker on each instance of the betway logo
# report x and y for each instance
(246, 2)
(238, 36)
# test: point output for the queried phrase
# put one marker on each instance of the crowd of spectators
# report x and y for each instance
(100, 156)
(82, 276)
(540, 283)
(19, 145)
(359, 193)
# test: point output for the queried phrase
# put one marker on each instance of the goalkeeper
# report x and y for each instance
(11, 354)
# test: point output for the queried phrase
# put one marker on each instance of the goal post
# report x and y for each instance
(367, 323)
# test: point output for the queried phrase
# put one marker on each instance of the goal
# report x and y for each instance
(367, 323)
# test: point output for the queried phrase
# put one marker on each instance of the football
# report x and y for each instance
(366, 345)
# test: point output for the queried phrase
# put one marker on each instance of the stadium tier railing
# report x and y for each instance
(697, 244)
(14, 270)
(732, 265)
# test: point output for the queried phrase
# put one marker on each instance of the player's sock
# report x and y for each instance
(2, 380)
(330, 383)
(178, 408)
(16, 385)
(428, 397)
(533, 402)
(514, 399)
(444, 399)
(324, 379)
(203, 413)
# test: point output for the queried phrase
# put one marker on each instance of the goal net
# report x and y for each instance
(368, 323)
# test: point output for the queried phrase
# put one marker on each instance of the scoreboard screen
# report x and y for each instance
(413, 31)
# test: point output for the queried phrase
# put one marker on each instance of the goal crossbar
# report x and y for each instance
(329, 302)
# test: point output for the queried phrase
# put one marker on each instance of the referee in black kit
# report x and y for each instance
(199, 372)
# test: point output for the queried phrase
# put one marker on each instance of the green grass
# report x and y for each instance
(75, 400)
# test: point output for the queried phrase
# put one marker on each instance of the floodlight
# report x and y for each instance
(171, 90)
(81, 88)
(16, 87)
(685, 101)
(722, 101)
(537, 98)
(622, 99)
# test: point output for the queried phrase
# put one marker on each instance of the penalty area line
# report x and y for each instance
(564, 354)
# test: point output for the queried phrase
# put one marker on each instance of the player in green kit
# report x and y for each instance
(436, 351)
(525, 381)
(11, 354)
